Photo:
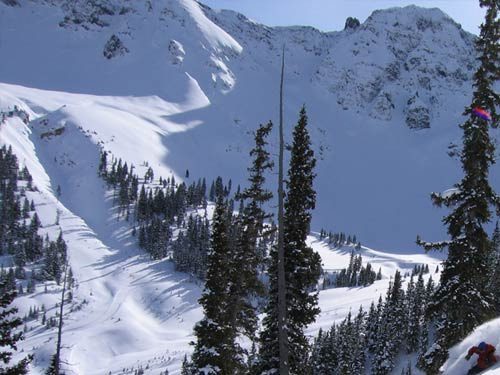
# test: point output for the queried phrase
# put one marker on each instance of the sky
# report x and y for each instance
(330, 15)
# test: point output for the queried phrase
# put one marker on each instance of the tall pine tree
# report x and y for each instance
(462, 301)
(390, 329)
(302, 264)
(247, 258)
(216, 350)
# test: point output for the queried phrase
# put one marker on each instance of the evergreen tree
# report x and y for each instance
(342, 350)
(463, 300)
(26, 209)
(412, 317)
(9, 324)
(316, 360)
(142, 205)
(216, 351)
(186, 368)
(52, 369)
(302, 264)
(390, 329)
(346, 349)
(330, 351)
(355, 274)
(191, 247)
(247, 258)
(372, 321)
(324, 354)
(211, 194)
(269, 345)
(359, 343)
(55, 258)
(417, 313)
(103, 164)
(495, 273)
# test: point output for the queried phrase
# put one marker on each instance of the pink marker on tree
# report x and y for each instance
(478, 111)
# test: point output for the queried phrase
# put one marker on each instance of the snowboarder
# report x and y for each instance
(486, 358)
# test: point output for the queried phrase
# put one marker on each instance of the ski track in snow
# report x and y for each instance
(135, 309)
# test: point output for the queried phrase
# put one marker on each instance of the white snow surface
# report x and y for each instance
(488, 332)
(193, 86)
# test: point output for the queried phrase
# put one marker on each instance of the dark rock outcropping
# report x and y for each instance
(114, 47)
(351, 23)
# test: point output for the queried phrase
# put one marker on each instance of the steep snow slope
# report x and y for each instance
(128, 310)
(135, 124)
(488, 332)
(69, 50)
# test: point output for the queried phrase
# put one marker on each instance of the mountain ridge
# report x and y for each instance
(365, 87)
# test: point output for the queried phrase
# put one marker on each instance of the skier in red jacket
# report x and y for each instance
(486, 357)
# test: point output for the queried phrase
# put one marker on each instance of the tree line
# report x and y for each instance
(20, 239)
(355, 274)
(20, 224)
(339, 239)
(156, 209)
(372, 340)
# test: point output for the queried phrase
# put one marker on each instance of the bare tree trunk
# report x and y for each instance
(57, 362)
(282, 327)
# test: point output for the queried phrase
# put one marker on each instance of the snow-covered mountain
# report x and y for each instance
(177, 86)
(384, 98)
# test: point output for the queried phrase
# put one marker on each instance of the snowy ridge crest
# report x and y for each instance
(379, 67)
(401, 62)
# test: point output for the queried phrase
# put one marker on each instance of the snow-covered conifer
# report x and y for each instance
(9, 323)
(302, 264)
(216, 350)
(463, 300)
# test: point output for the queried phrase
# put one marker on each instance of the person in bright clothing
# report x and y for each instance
(487, 358)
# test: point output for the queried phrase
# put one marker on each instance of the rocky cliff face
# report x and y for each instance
(399, 60)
